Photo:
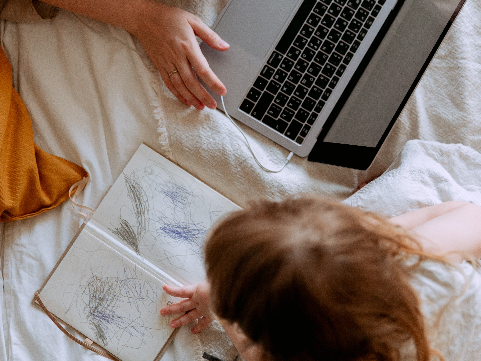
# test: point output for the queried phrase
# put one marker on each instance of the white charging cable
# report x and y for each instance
(249, 146)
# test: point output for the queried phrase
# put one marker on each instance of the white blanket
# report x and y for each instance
(94, 98)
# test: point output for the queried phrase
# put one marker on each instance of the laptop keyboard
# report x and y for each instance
(307, 63)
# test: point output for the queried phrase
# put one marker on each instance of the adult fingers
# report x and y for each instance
(189, 78)
(203, 70)
(209, 36)
(175, 84)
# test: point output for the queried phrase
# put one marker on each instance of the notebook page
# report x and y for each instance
(162, 213)
(109, 299)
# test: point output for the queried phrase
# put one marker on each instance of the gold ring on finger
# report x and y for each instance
(173, 72)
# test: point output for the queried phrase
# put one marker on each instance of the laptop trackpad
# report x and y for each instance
(253, 25)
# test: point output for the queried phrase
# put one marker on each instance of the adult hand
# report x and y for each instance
(196, 306)
(168, 35)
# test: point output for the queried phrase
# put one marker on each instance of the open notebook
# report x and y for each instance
(148, 231)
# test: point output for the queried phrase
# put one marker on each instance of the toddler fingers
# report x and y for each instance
(186, 319)
(202, 324)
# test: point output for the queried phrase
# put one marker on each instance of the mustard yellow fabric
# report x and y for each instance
(31, 180)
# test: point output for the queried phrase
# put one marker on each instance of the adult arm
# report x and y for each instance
(451, 229)
(168, 35)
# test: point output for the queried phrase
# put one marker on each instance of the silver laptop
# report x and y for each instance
(326, 78)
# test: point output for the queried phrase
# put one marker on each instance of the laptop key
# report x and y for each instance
(308, 54)
(327, 93)
(294, 76)
(319, 106)
(349, 36)
(294, 103)
(293, 53)
(288, 87)
(335, 59)
(273, 87)
(361, 15)
(315, 43)
(322, 81)
(320, 9)
(281, 99)
(305, 129)
(321, 58)
(254, 94)
(299, 140)
(334, 10)
(274, 111)
(261, 107)
(260, 83)
(277, 124)
(280, 75)
(355, 46)
(376, 10)
(275, 59)
(301, 65)
(328, 21)
(313, 20)
(314, 69)
(369, 22)
(347, 58)
(315, 92)
(307, 80)
(308, 104)
(368, 4)
(267, 72)
(301, 115)
(307, 31)
(347, 13)
(341, 25)
(362, 34)
(327, 47)
(342, 48)
(286, 64)
(301, 91)
(293, 129)
(287, 115)
(334, 36)
(354, 4)
(321, 32)
(333, 82)
(300, 42)
(340, 70)
(355, 26)
(312, 118)
(328, 70)
(246, 106)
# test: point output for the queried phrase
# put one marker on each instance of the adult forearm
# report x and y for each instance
(122, 13)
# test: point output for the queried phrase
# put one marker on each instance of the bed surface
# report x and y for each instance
(94, 97)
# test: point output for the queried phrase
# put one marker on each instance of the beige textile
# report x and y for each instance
(26, 11)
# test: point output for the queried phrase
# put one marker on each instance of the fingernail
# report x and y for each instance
(223, 44)
(173, 324)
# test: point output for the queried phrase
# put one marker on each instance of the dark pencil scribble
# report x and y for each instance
(104, 301)
(126, 232)
(140, 202)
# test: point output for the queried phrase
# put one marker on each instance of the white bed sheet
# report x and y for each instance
(93, 100)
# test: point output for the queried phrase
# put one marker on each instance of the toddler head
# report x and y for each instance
(311, 279)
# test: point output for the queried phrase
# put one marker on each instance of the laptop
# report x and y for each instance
(326, 79)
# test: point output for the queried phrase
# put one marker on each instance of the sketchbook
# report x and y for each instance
(148, 231)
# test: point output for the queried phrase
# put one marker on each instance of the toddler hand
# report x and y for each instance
(195, 306)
